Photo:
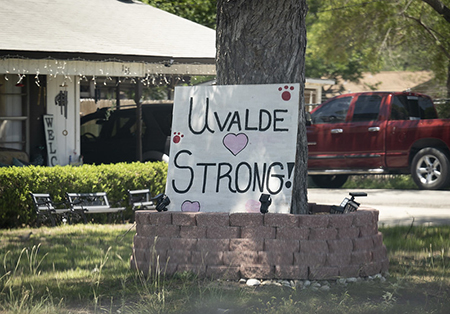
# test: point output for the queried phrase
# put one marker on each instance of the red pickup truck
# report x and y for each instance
(378, 133)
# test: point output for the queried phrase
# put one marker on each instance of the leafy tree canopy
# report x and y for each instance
(363, 35)
(349, 37)
(199, 11)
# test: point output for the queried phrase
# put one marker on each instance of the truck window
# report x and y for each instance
(332, 112)
(398, 110)
(92, 128)
(406, 107)
(427, 109)
(124, 127)
(367, 108)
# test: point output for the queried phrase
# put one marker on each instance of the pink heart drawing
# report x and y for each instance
(189, 206)
(235, 143)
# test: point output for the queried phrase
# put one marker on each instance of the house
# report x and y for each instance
(52, 53)
(48, 48)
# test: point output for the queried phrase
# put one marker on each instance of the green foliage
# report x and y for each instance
(380, 182)
(199, 11)
(443, 109)
(66, 263)
(347, 37)
(340, 42)
(417, 239)
(86, 269)
(421, 251)
(17, 182)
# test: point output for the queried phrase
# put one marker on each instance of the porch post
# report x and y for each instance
(137, 100)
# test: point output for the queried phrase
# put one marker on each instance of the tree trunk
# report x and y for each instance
(263, 42)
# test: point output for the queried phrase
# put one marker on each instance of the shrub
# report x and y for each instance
(16, 208)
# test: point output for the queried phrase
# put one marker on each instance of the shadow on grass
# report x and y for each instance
(86, 269)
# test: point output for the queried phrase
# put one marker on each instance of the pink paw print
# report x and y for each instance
(286, 95)
(177, 137)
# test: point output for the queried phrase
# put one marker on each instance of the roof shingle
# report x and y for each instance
(107, 27)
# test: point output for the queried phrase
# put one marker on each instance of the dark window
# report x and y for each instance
(412, 108)
(92, 128)
(367, 108)
(427, 109)
(399, 109)
(332, 112)
(124, 126)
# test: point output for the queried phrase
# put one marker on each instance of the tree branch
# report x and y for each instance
(431, 32)
(440, 8)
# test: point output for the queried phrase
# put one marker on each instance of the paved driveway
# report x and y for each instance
(397, 207)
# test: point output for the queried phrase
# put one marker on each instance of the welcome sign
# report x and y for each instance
(50, 138)
(231, 144)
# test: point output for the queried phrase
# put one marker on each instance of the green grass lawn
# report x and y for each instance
(86, 269)
(381, 182)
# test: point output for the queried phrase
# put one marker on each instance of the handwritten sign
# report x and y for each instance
(51, 140)
(230, 145)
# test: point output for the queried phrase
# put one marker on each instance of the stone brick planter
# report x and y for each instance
(253, 245)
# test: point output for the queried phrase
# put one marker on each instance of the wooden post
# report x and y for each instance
(137, 100)
(117, 93)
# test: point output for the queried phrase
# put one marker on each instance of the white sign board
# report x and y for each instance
(230, 144)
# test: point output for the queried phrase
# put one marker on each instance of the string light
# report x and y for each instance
(53, 67)
(20, 78)
(36, 79)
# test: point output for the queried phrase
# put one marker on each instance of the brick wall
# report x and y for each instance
(253, 245)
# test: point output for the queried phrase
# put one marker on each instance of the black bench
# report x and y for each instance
(140, 200)
(46, 209)
(92, 203)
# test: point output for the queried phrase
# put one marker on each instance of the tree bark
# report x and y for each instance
(264, 42)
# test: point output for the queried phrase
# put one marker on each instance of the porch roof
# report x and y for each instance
(101, 30)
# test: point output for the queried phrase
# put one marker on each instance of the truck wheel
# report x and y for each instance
(331, 182)
(429, 169)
